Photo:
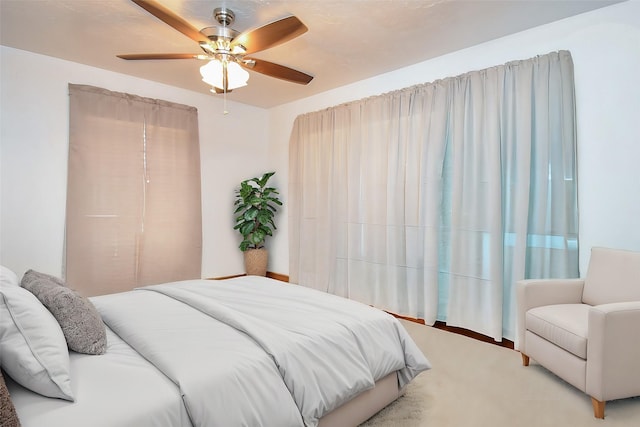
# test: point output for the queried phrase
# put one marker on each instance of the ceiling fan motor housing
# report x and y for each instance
(216, 33)
(220, 36)
(224, 16)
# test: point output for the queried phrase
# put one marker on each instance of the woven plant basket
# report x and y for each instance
(255, 262)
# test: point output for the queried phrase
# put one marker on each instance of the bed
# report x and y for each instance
(247, 351)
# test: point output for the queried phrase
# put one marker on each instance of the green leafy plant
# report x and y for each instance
(255, 209)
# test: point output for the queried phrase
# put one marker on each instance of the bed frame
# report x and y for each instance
(365, 405)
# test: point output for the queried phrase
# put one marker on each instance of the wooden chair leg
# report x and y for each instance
(525, 359)
(598, 408)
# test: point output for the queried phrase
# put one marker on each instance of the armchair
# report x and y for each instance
(586, 331)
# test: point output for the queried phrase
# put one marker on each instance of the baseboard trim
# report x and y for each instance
(472, 334)
(278, 276)
(270, 274)
(411, 319)
(225, 277)
(460, 331)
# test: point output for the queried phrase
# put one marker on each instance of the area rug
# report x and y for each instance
(477, 384)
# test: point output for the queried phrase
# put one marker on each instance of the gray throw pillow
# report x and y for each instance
(31, 275)
(79, 320)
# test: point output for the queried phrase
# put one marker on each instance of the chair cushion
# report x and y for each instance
(565, 325)
(613, 276)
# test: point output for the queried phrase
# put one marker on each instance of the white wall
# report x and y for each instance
(605, 45)
(34, 148)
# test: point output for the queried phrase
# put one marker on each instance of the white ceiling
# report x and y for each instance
(347, 41)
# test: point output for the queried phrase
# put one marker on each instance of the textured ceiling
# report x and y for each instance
(347, 41)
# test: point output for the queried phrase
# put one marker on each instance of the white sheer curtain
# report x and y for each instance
(432, 201)
(133, 192)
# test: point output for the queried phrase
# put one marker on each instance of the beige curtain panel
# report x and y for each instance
(432, 201)
(133, 194)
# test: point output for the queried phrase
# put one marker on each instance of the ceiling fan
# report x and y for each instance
(225, 49)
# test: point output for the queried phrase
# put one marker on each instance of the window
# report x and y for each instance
(133, 192)
(432, 201)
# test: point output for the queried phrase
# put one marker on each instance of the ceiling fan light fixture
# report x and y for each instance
(213, 74)
(207, 47)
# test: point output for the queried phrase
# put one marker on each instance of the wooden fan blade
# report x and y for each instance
(168, 17)
(135, 56)
(277, 71)
(270, 35)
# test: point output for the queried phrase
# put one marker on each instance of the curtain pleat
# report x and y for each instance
(434, 200)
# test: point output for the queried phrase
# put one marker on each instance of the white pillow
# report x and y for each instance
(33, 350)
(8, 277)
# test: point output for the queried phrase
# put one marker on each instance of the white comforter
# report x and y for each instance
(300, 354)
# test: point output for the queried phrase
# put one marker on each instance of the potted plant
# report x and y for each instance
(256, 205)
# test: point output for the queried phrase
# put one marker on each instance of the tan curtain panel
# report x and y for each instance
(133, 193)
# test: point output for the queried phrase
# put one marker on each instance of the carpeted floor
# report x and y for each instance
(475, 384)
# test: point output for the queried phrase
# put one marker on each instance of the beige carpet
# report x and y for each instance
(475, 384)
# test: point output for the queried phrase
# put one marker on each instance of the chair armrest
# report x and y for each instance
(613, 351)
(532, 293)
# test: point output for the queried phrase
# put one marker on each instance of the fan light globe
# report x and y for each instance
(212, 74)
